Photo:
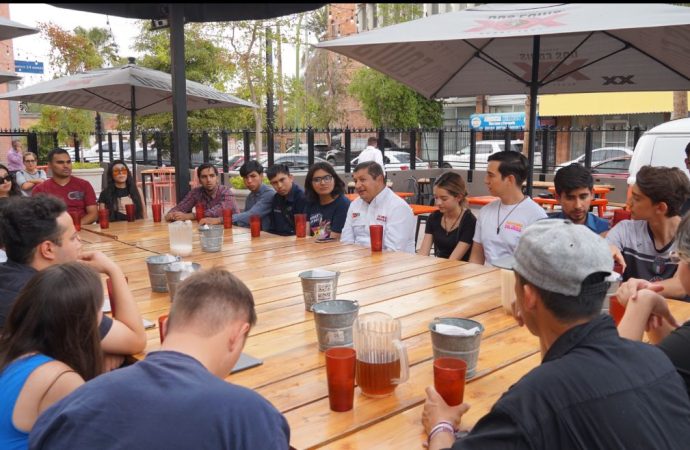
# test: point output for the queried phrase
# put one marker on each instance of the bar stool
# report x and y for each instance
(164, 187)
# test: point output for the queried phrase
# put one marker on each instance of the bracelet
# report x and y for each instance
(439, 427)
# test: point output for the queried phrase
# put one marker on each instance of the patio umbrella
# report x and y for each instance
(10, 29)
(128, 89)
(6, 76)
(177, 14)
(489, 50)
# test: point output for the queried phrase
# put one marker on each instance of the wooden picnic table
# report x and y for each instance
(415, 289)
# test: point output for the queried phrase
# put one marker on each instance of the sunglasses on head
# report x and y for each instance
(6, 179)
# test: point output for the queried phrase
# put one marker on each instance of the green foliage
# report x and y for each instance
(66, 121)
(238, 183)
(392, 13)
(78, 51)
(85, 165)
(390, 104)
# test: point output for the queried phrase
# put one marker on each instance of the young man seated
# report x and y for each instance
(646, 241)
(574, 191)
(177, 397)
(211, 194)
(259, 200)
(288, 200)
(593, 389)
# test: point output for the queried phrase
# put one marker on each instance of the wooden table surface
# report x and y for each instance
(412, 288)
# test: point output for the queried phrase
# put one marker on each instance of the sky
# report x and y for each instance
(36, 48)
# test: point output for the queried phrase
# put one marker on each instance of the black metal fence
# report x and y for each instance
(412, 149)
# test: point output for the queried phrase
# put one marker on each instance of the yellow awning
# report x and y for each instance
(605, 103)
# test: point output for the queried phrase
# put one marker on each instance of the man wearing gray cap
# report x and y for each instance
(593, 389)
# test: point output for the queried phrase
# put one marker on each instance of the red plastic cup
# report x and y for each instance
(109, 285)
(340, 372)
(104, 218)
(301, 225)
(131, 212)
(376, 234)
(76, 219)
(255, 225)
(199, 210)
(227, 218)
(162, 326)
(157, 210)
(449, 379)
(616, 309)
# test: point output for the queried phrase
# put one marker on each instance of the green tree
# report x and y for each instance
(390, 104)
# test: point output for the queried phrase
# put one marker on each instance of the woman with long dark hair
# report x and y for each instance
(8, 183)
(451, 228)
(120, 191)
(326, 202)
(50, 345)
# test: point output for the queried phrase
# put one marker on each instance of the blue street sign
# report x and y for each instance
(498, 121)
(28, 66)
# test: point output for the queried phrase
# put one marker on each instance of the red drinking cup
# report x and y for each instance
(162, 326)
(104, 218)
(376, 234)
(449, 379)
(340, 372)
(157, 210)
(131, 212)
(616, 309)
(227, 218)
(301, 225)
(76, 219)
(255, 225)
(199, 210)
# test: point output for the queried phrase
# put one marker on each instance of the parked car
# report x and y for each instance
(336, 156)
(663, 145)
(397, 160)
(461, 159)
(296, 163)
(599, 155)
(613, 168)
(320, 150)
(91, 154)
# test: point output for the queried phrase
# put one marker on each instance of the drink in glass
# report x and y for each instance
(199, 210)
(227, 218)
(301, 225)
(255, 224)
(449, 379)
(376, 234)
(157, 210)
(340, 372)
(131, 212)
(104, 218)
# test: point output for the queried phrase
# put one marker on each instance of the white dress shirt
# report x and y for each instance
(372, 154)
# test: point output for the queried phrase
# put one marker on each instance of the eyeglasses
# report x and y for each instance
(119, 171)
(6, 179)
(324, 179)
(29, 160)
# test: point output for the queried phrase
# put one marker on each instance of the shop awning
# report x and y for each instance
(608, 103)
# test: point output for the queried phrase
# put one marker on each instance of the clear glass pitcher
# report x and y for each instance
(381, 355)
(181, 234)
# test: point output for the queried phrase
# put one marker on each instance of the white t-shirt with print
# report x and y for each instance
(513, 220)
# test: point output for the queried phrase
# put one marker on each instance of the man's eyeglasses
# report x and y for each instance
(324, 179)
(119, 171)
(29, 161)
(6, 179)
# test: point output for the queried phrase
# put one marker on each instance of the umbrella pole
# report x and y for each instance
(532, 131)
(132, 135)
(179, 88)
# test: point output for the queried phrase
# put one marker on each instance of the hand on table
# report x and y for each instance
(179, 215)
(617, 256)
(658, 309)
(211, 221)
(629, 290)
(436, 410)
(112, 362)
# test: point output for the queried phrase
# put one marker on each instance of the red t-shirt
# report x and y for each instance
(77, 194)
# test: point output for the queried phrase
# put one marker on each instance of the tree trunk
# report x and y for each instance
(680, 105)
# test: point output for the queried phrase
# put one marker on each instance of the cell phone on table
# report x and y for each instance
(329, 239)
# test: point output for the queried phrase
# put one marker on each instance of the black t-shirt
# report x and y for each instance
(677, 347)
(445, 242)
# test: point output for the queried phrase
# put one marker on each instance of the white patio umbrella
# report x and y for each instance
(10, 29)
(6, 75)
(489, 50)
(128, 89)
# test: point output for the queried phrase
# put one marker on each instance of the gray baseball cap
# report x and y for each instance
(557, 255)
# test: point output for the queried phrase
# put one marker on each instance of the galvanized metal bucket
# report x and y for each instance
(615, 280)
(211, 238)
(156, 265)
(334, 319)
(178, 271)
(318, 285)
(460, 347)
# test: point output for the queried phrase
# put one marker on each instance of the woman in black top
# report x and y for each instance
(451, 228)
(120, 191)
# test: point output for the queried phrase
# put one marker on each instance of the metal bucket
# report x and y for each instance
(460, 347)
(156, 265)
(334, 320)
(318, 285)
(615, 280)
(178, 271)
(211, 237)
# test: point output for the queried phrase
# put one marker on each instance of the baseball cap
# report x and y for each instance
(557, 255)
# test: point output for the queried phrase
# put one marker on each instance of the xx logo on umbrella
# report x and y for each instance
(517, 23)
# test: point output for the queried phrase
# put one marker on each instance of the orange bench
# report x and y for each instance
(600, 203)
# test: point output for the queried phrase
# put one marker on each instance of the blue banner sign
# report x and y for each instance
(498, 121)
(28, 66)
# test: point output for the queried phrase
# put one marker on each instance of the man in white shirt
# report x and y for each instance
(501, 223)
(372, 153)
(378, 205)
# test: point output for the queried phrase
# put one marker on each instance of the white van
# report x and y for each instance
(663, 145)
